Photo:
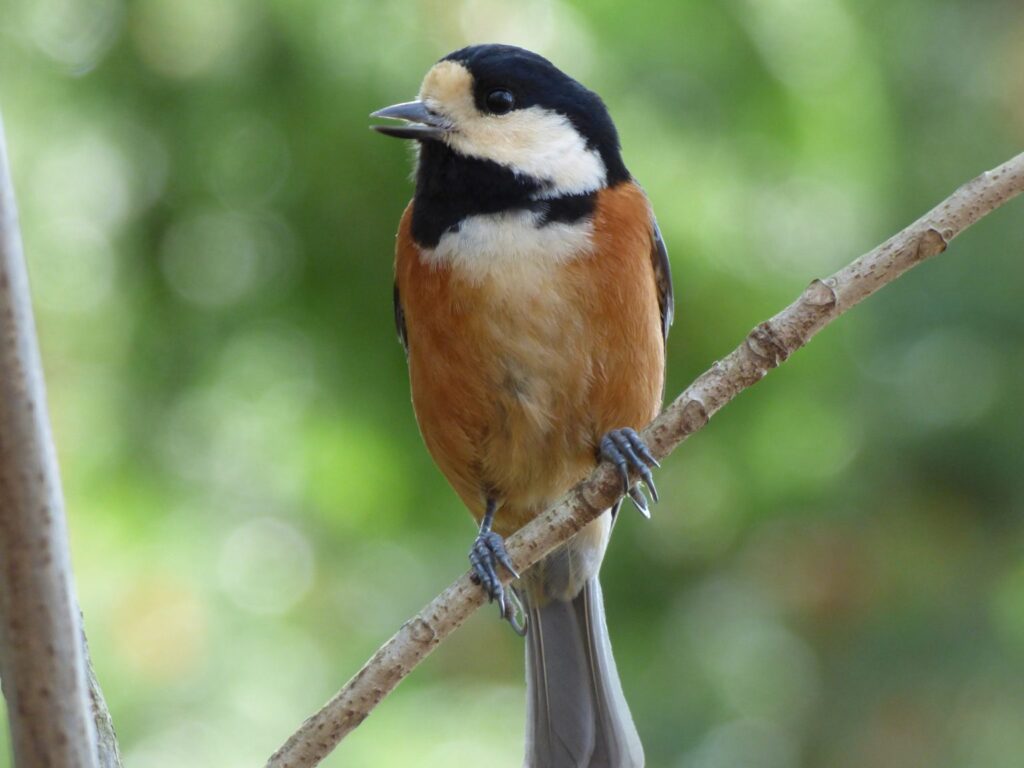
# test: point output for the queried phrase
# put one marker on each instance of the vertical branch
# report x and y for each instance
(42, 658)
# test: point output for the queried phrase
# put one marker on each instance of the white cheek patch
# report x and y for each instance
(533, 142)
(510, 245)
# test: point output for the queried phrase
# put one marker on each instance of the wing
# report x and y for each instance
(404, 247)
(400, 320)
(662, 278)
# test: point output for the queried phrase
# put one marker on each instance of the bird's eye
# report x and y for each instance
(500, 101)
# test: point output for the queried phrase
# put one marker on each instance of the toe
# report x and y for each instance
(610, 452)
(483, 569)
(499, 553)
(487, 552)
(641, 448)
(626, 449)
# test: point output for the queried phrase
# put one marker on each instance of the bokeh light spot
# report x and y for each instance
(249, 161)
(216, 259)
(191, 38)
(161, 630)
(948, 378)
(84, 175)
(745, 744)
(73, 268)
(808, 44)
(266, 566)
(797, 442)
(758, 667)
(74, 33)
(548, 27)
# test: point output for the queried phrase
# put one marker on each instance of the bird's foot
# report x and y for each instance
(626, 450)
(487, 553)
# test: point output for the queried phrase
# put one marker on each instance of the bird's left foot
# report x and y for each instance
(626, 450)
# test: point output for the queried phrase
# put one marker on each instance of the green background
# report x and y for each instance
(835, 575)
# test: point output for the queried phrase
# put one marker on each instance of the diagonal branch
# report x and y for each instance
(765, 347)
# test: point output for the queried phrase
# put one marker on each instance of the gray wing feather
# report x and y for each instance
(662, 278)
(403, 335)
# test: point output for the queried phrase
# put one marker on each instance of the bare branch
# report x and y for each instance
(108, 751)
(765, 347)
(42, 658)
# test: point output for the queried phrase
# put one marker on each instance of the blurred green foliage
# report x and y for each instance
(835, 577)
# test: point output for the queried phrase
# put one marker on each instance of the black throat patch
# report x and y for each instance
(451, 187)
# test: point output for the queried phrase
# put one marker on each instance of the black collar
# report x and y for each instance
(451, 187)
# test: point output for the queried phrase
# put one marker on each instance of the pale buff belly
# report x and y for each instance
(527, 298)
(540, 438)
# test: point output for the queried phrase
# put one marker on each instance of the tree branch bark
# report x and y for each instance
(43, 662)
(764, 348)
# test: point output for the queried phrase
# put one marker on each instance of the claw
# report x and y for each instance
(626, 449)
(649, 482)
(639, 501)
(513, 612)
(506, 563)
(641, 447)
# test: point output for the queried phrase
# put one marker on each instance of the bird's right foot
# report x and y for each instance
(487, 553)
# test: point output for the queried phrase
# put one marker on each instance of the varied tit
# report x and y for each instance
(533, 299)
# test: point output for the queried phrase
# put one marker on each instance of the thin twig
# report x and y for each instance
(764, 348)
(43, 662)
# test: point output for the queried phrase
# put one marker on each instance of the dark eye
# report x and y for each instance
(500, 101)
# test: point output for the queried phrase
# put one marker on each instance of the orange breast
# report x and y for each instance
(516, 375)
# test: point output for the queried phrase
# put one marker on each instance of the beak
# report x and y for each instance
(424, 124)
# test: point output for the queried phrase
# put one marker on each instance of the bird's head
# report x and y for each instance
(507, 106)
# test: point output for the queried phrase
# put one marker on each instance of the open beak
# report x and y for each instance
(422, 123)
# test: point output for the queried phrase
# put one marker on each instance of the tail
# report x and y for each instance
(576, 715)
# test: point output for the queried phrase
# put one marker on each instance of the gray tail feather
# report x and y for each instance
(576, 715)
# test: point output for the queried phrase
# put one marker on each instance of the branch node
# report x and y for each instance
(421, 631)
(822, 293)
(932, 242)
(695, 416)
(764, 343)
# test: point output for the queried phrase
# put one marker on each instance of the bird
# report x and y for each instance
(533, 297)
